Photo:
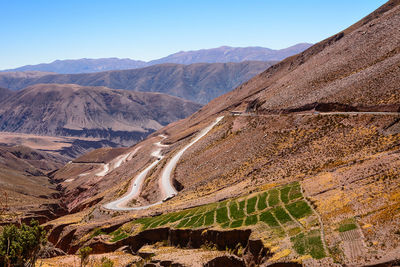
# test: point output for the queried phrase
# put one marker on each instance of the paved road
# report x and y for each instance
(165, 183)
(120, 204)
(107, 168)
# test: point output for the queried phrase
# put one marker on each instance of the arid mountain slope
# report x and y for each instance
(4, 93)
(25, 186)
(120, 116)
(197, 82)
(357, 67)
(292, 137)
(222, 54)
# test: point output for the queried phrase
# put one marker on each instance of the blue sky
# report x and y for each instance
(41, 31)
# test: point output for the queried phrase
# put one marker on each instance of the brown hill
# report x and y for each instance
(26, 190)
(71, 110)
(197, 82)
(4, 93)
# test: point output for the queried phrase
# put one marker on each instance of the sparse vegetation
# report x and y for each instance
(118, 235)
(96, 232)
(84, 254)
(106, 262)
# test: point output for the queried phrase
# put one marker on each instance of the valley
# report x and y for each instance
(298, 165)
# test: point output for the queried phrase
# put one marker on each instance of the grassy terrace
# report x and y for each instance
(281, 212)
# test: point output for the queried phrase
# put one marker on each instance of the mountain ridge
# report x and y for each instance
(221, 54)
(198, 82)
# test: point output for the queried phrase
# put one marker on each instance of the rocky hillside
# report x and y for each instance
(4, 93)
(119, 116)
(198, 82)
(303, 168)
(215, 55)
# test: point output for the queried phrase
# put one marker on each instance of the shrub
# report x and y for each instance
(19, 246)
(106, 262)
(84, 254)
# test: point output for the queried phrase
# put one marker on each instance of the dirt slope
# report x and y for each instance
(119, 116)
(199, 82)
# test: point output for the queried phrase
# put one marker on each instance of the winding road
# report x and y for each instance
(166, 185)
(107, 168)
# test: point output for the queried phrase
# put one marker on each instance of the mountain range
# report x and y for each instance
(199, 82)
(221, 54)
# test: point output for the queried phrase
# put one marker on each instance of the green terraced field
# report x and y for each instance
(299, 209)
(309, 243)
(269, 209)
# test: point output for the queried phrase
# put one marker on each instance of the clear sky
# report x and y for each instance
(41, 31)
